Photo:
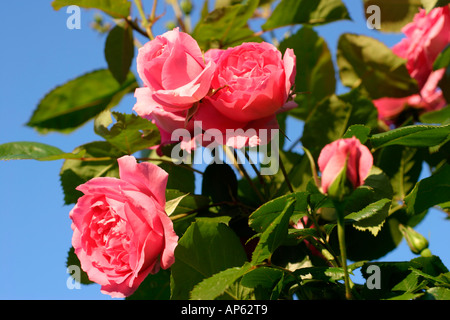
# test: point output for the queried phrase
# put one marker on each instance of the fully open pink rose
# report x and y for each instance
(173, 71)
(251, 84)
(336, 155)
(426, 36)
(121, 231)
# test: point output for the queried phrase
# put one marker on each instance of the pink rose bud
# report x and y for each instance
(121, 232)
(345, 159)
(173, 71)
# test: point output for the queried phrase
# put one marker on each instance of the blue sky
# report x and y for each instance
(38, 53)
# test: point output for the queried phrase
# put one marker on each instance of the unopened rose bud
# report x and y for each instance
(186, 6)
(416, 242)
(345, 164)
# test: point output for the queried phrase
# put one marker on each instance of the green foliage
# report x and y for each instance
(289, 12)
(368, 63)
(72, 104)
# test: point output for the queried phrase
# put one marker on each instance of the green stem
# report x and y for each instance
(342, 247)
(286, 177)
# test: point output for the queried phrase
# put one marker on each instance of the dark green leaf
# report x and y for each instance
(262, 276)
(315, 77)
(34, 150)
(154, 287)
(430, 191)
(119, 51)
(219, 183)
(366, 62)
(73, 261)
(205, 249)
(290, 12)
(331, 118)
(115, 8)
(412, 136)
(69, 106)
(274, 235)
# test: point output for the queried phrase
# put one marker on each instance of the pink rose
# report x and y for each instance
(121, 232)
(251, 84)
(426, 37)
(173, 71)
(166, 121)
(336, 155)
(429, 99)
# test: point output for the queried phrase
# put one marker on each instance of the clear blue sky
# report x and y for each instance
(38, 53)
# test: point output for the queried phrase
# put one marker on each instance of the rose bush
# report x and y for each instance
(121, 232)
(341, 185)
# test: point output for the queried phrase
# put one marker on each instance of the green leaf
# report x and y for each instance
(394, 15)
(441, 116)
(412, 136)
(315, 77)
(431, 4)
(154, 287)
(34, 150)
(261, 219)
(265, 277)
(73, 261)
(369, 63)
(371, 217)
(115, 8)
(438, 293)
(119, 51)
(205, 249)
(180, 202)
(219, 183)
(103, 163)
(361, 132)
(69, 106)
(226, 26)
(443, 59)
(217, 285)
(129, 134)
(331, 118)
(290, 12)
(430, 191)
(403, 166)
(274, 235)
